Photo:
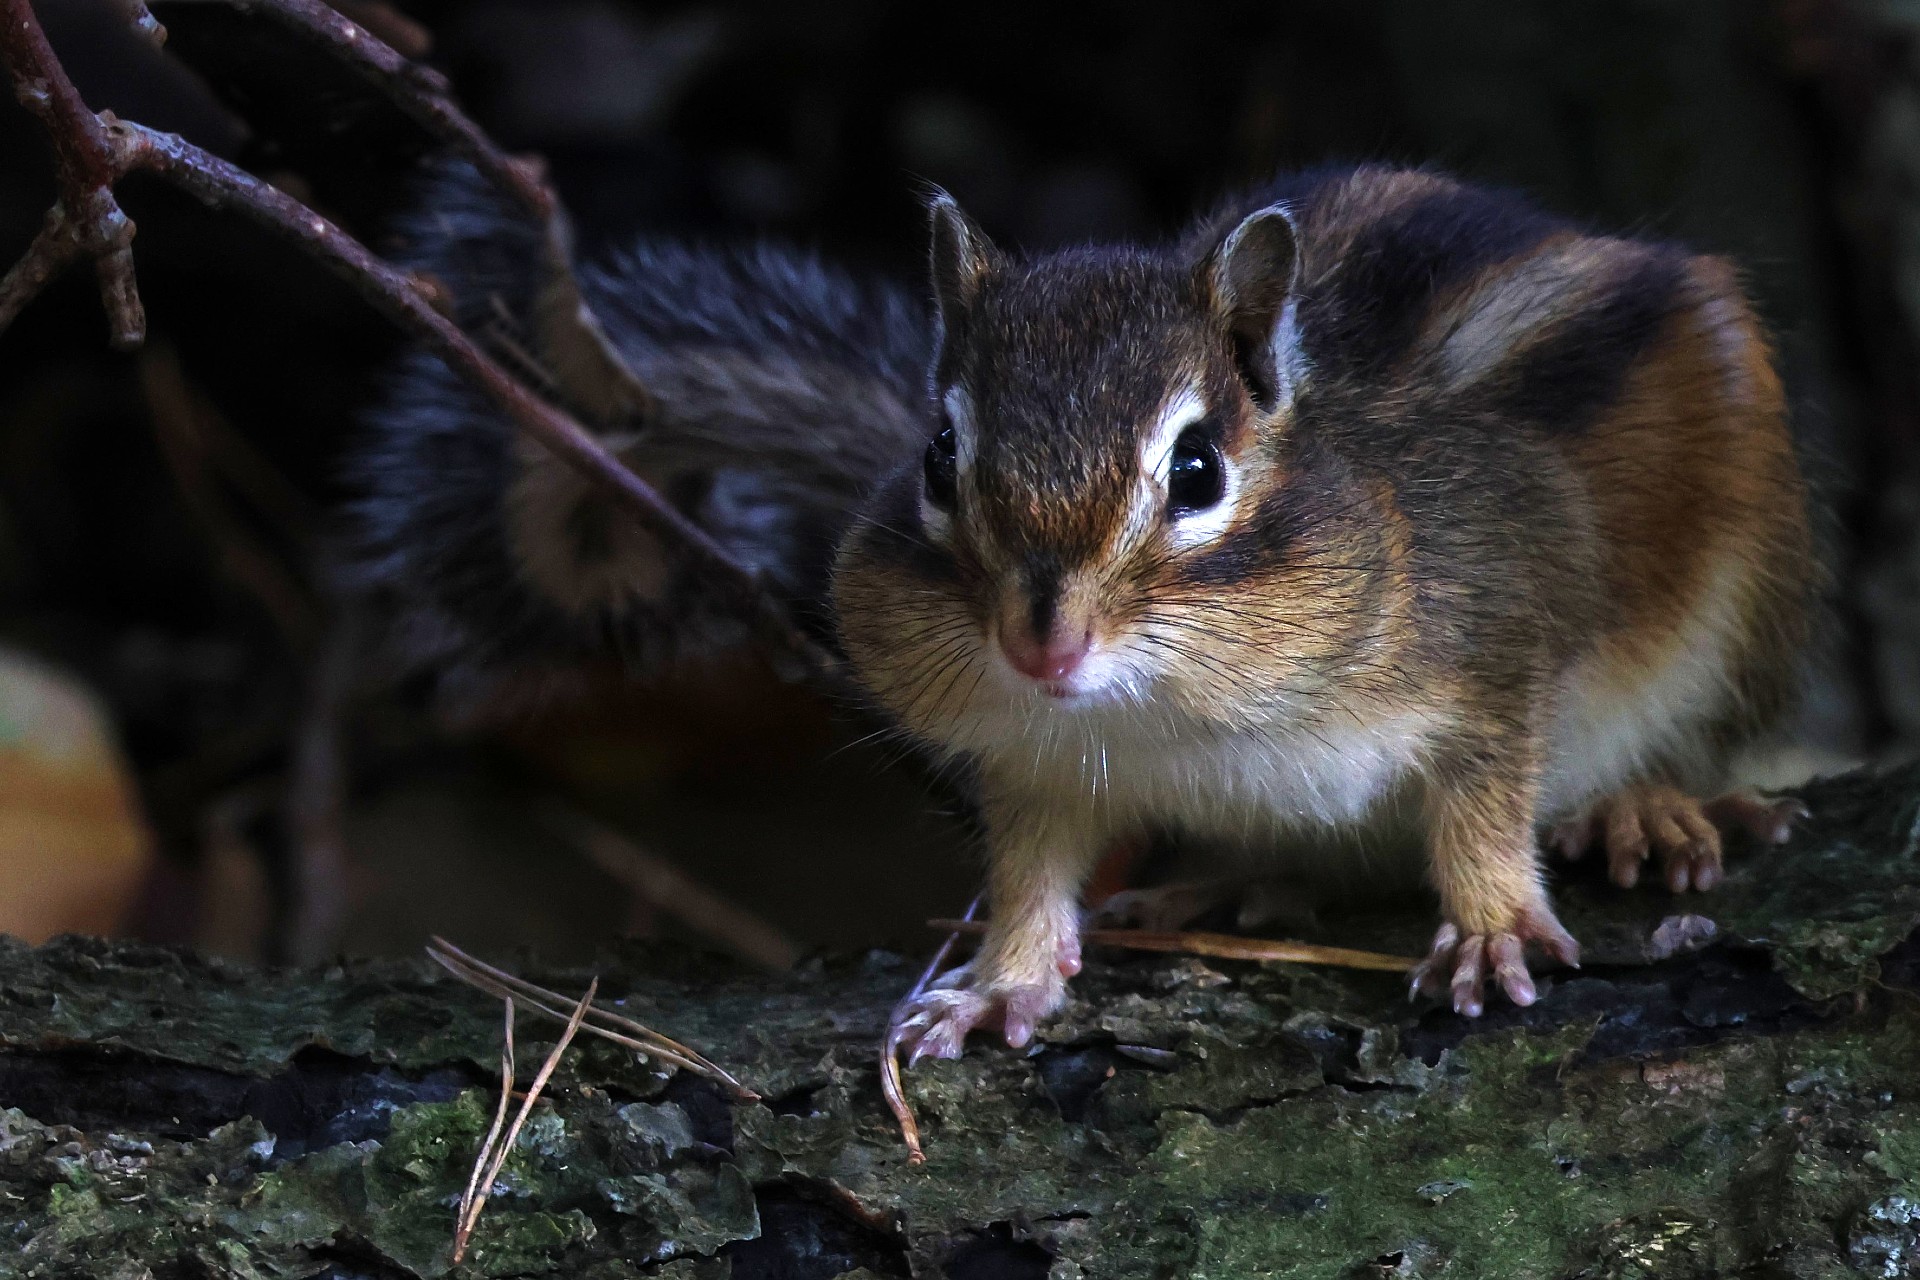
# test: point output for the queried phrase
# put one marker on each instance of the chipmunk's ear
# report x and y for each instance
(962, 259)
(1253, 277)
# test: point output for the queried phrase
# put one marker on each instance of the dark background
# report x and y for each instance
(1784, 133)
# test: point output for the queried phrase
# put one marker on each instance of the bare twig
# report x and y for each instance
(93, 152)
(143, 22)
(497, 1157)
(419, 91)
(87, 222)
(588, 367)
(49, 254)
(672, 890)
(1220, 946)
(389, 24)
(890, 1085)
(224, 186)
(605, 1023)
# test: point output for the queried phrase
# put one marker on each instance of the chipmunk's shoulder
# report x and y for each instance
(1414, 280)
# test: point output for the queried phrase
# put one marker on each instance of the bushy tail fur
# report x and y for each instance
(781, 391)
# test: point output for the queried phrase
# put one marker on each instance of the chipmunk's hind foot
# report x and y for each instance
(1769, 819)
(1167, 908)
(1162, 908)
(1641, 821)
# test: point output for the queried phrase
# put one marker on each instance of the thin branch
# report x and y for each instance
(52, 250)
(88, 219)
(143, 22)
(890, 1085)
(419, 91)
(221, 185)
(393, 28)
(592, 371)
(1220, 946)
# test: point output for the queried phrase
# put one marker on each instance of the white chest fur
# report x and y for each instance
(1232, 785)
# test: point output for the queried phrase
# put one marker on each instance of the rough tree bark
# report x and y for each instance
(1747, 1104)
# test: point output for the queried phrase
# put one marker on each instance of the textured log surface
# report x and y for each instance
(1746, 1107)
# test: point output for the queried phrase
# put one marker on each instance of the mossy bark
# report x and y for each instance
(1746, 1105)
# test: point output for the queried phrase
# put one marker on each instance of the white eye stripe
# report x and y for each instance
(1204, 526)
(960, 413)
(937, 524)
(1181, 412)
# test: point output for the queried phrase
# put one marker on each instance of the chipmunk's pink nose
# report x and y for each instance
(1052, 659)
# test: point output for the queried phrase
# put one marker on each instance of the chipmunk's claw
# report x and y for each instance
(1458, 964)
(1684, 831)
(936, 1023)
(1770, 820)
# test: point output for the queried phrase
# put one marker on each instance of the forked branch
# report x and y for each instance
(87, 221)
(93, 152)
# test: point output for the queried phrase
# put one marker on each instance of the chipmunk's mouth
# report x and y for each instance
(1067, 669)
(1102, 678)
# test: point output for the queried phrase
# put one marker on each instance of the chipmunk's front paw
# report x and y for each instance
(1769, 819)
(936, 1023)
(1458, 963)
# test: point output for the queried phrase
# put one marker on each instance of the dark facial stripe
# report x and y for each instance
(1310, 500)
(1369, 313)
(898, 535)
(1573, 372)
(1043, 575)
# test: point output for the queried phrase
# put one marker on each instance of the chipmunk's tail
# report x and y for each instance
(760, 391)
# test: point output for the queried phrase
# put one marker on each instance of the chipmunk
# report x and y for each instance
(1376, 498)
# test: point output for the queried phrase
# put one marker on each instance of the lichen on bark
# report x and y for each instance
(1744, 1105)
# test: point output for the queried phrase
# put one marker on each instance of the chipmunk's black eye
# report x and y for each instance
(942, 469)
(1197, 478)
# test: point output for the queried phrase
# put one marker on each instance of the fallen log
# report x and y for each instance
(1697, 1101)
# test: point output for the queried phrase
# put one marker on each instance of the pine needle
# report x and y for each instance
(493, 1152)
(1220, 946)
(605, 1023)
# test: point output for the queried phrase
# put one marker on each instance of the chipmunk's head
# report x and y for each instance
(1109, 511)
